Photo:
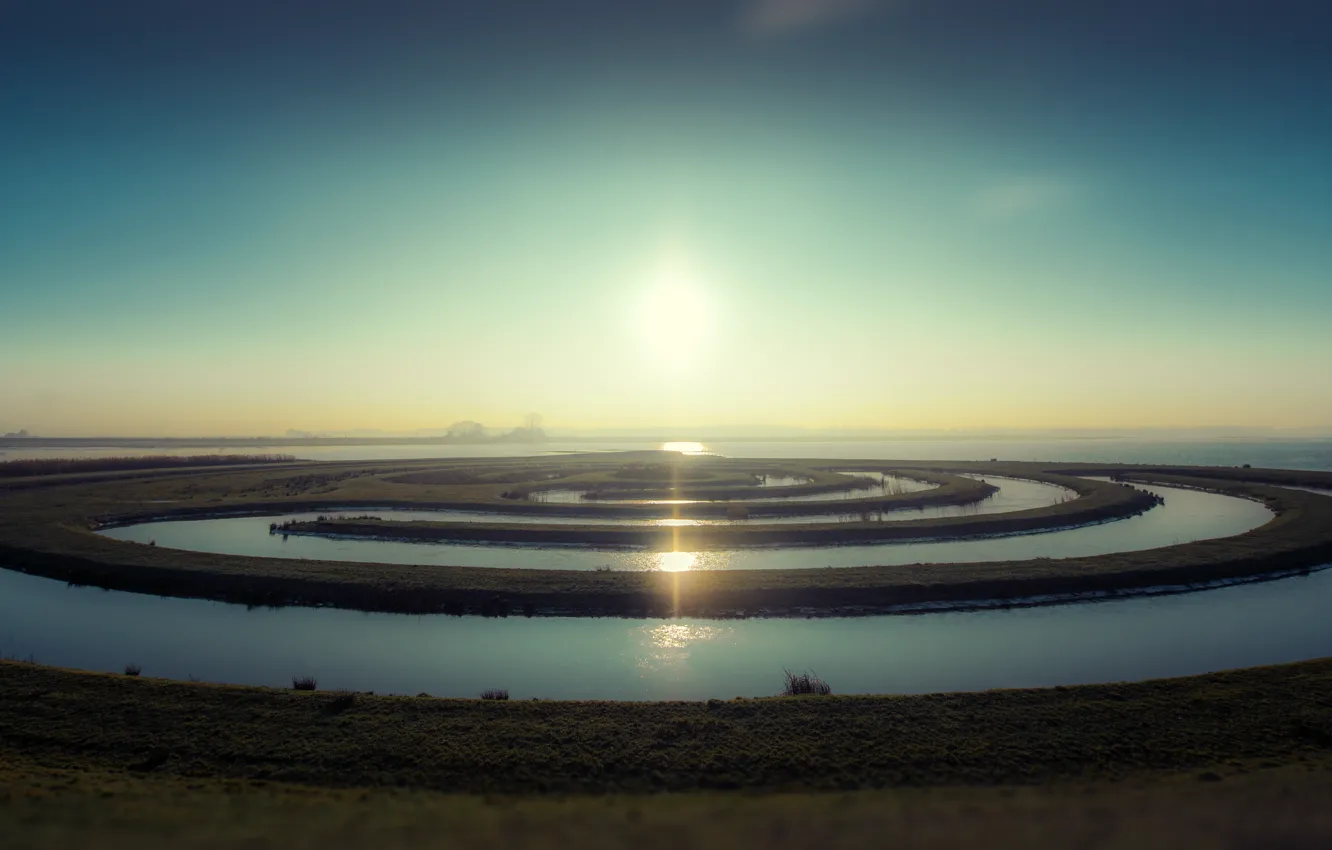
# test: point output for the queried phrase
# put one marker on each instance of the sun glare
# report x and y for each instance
(685, 447)
(676, 562)
(673, 317)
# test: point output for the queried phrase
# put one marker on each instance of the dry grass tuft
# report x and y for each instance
(804, 684)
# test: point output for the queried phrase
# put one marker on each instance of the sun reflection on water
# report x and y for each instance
(681, 635)
(670, 645)
(676, 562)
(685, 447)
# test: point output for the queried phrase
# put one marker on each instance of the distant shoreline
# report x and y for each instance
(1147, 436)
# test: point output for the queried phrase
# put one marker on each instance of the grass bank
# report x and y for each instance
(1223, 723)
(1237, 760)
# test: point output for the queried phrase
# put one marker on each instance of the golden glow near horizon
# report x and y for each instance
(685, 447)
(674, 319)
(735, 253)
(680, 342)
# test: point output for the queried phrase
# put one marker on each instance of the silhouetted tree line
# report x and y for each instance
(58, 466)
(468, 431)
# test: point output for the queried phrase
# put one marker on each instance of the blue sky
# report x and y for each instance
(239, 218)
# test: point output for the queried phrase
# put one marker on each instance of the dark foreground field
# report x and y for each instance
(1240, 759)
(1278, 808)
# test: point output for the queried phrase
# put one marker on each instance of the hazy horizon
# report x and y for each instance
(723, 434)
(824, 215)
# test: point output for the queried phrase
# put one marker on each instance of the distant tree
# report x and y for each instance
(532, 421)
(467, 430)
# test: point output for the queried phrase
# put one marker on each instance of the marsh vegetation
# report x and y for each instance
(804, 684)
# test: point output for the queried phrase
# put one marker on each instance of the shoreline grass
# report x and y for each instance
(804, 684)
(1212, 723)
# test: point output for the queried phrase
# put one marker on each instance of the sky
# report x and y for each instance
(240, 217)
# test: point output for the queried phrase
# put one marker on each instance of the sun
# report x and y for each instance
(674, 317)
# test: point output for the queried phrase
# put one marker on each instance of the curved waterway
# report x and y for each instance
(884, 484)
(579, 658)
(1014, 494)
(1187, 515)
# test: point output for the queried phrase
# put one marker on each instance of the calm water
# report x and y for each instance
(1187, 515)
(1014, 495)
(886, 484)
(1271, 622)
(1264, 623)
